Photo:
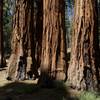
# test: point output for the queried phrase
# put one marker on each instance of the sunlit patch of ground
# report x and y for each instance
(4, 81)
(3, 74)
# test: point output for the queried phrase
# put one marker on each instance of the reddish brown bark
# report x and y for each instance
(82, 72)
(21, 35)
(53, 58)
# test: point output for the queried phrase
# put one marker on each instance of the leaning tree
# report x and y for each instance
(83, 69)
(53, 57)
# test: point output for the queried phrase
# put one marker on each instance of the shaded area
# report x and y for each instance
(1, 69)
(22, 91)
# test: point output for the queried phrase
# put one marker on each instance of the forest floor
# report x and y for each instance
(29, 90)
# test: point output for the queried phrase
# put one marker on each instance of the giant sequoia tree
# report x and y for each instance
(1, 33)
(83, 69)
(22, 35)
(53, 57)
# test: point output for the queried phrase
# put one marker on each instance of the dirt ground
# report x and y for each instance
(29, 90)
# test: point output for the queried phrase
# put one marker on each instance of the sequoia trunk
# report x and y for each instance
(83, 69)
(53, 58)
(21, 35)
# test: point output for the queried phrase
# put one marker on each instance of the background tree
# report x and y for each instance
(1, 34)
(8, 11)
(83, 69)
(53, 58)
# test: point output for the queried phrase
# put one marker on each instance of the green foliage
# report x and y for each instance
(7, 25)
(26, 89)
(89, 96)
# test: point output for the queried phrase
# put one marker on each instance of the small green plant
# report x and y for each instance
(89, 96)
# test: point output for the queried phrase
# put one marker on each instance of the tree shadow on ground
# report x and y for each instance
(2, 69)
(23, 91)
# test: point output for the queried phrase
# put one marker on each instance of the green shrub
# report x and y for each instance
(89, 96)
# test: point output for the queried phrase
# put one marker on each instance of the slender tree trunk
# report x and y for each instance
(83, 69)
(1, 34)
(53, 58)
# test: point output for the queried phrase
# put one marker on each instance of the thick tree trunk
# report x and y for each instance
(1, 34)
(53, 58)
(21, 35)
(17, 38)
(82, 72)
